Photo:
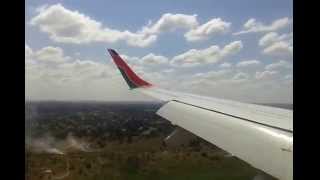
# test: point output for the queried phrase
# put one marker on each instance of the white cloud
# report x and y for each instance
(189, 58)
(288, 79)
(273, 37)
(232, 48)
(50, 65)
(269, 39)
(50, 55)
(70, 26)
(213, 54)
(289, 76)
(154, 59)
(213, 75)
(28, 51)
(73, 79)
(279, 49)
(225, 65)
(266, 75)
(75, 72)
(252, 26)
(64, 25)
(279, 65)
(240, 86)
(77, 79)
(248, 63)
(211, 28)
(29, 62)
(170, 22)
(277, 45)
(240, 77)
(138, 40)
(168, 70)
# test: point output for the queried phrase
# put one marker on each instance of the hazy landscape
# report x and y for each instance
(98, 140)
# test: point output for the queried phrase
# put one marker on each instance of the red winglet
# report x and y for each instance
(132, 79)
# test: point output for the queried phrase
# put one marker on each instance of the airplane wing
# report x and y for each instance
(260, 135)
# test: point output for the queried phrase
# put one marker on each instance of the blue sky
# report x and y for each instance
(132, 16)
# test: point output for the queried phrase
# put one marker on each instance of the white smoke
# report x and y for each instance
(44, 144)
(77, 144)
(54, 151)
(51, 145)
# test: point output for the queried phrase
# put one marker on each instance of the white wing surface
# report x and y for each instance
(260, 135)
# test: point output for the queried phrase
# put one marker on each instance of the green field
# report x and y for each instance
(145, 159)
(118, 141)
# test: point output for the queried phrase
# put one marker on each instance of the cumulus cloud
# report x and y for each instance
(279, 49)
(171, 22)
(277, 45)
(248, 63)
(50, 55)
(225, 65)
(77, 78)
(28, 51)
(237, 85)
(266, 75)
(64, 25)
(49, 68)
(213, 54)
(253, 26)
(273, 37)
(279, 65)
(154, 59)
(240, 77)
(288, 79)
(289, 76)
(213, 75)
(211, 28)
(138, 40)
(223, 77)
(70, 26)
(190, 58)
(168, 70)
(232, 48)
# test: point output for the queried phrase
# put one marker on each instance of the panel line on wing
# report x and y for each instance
(245, 119)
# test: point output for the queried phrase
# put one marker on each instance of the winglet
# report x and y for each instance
(132, 79)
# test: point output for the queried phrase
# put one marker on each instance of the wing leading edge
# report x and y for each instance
(259, 135)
